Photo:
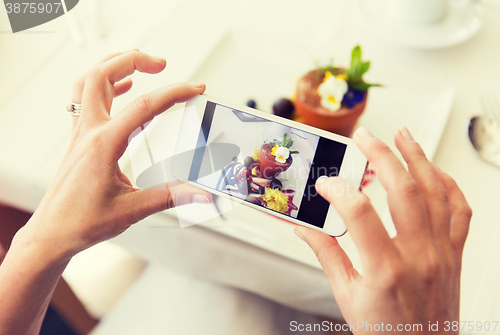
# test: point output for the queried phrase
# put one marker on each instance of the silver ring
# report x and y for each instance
(74, 109)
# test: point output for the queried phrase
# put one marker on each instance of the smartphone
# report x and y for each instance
(264, 161)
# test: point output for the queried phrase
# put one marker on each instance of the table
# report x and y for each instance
(34, 131)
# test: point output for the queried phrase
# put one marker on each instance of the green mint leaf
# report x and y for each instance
(358, 68)
(365, 67)
(362, 86)
(356, 54)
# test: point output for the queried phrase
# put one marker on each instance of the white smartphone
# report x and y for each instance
(264, 161)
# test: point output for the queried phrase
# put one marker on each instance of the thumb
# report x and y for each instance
(147, 202)
(183, 194)
(333, 259)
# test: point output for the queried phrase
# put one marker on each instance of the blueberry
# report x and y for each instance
(262, 190)
(284, 108)
(275, 183)
(251, 103)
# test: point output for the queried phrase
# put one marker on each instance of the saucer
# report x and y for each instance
(461, 22)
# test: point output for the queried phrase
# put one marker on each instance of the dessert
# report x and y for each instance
(275, 157)
(256, 178)
(333, 98)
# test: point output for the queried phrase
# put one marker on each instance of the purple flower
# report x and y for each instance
(353, 97)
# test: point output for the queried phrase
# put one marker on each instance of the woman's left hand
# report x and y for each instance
(90, 199)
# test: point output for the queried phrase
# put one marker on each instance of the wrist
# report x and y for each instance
(32, 249)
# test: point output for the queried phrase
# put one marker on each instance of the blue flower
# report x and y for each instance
(353, 97)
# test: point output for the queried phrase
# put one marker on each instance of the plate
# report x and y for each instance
(463, 20)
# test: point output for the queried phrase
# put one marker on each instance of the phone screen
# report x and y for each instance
(277, 165)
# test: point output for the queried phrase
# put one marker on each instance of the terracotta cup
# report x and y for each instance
(269, 167)
(340, 122)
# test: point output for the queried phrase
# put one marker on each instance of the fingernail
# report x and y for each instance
(299, 235)
(406, 133)
(363, 132)
(197, 84)
(159, 59)
(199, 199)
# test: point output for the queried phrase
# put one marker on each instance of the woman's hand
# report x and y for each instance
(90, 199)
(414, 278)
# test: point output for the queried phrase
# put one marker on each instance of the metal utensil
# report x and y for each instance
(484, 131)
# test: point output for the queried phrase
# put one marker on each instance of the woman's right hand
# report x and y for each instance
(413, 279)
(90, 199)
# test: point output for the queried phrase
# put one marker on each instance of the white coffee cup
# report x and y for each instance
(418, 11)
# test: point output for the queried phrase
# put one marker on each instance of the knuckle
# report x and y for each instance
(79, 84)
(359, 206)
(170, 203)
(323, 255)
(380, 149)
(95, 140)
(432, 269)
(465, 211)
(143, 102)
(96, 73)
(408, 188)
(392, 277)
(160, 204)
(417, 152)
(441, 195)
(176, 92)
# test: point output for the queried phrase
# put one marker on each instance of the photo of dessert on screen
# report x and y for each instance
(273, 165)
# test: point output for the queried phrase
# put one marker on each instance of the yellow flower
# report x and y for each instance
(341, 76)
(255, 155)
(328, 74)
(273, 150)
(275, 200)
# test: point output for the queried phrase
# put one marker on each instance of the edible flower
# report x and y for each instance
(255, 155)
(353, 97)
(328, 74)
(275, 200)
(332, 91)
(282, 154)
(273, 150)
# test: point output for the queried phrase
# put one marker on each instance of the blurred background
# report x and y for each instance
(245, 272)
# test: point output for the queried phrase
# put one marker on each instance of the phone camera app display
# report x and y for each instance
(276, 167)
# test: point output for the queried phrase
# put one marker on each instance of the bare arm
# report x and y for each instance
(90, 199)
(28, 277)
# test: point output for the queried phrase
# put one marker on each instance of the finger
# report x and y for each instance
(434, 193)
(146, 202)
(123, 87)
(461, 213)
(406, 203)
(99, 85)
(78, 85)
(367, 231)
(148, 106)
(76, 96)
(333, 259)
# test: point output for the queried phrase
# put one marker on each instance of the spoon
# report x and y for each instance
(484, 133)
